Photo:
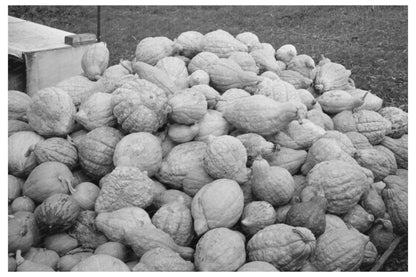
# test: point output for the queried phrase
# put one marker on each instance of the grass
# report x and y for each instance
(371, 41)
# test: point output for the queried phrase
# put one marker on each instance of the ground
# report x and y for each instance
(371, 41)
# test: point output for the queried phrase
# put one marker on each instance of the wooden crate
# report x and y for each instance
(44, 57)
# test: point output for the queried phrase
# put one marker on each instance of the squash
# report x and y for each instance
(42, 256)
(336, 101)
(23, 204)
(152, 49)
(228, 96)
(396, 206)
(180, 133)
(320, 119)
(345, 254)
(261, 115)
(399, 147)
(166, 142)
(295, 78)
(21, 159)
(334, 222)
(303, 64)
(67, 262)
(373, 203)
(46, 180)
(199, 77)
(342, 140)
(245, 61)
(27, 265)
(190, 43)
(119, 70)
(61, 243)
(15, 186)
(142, 150)
(15, 126)
(188, 107)
(217, 204)
(249, 39)
(371, 101)
(370, 254)
(306, 193)
(331, 76)
(100, 262)
(257, 266)
(381, 234)
(220, 249)
(114, 249)
(175, 219)
(124, 187)
(278, 90)
(176, 69)
(306, 98)
(84, 194)
(78, 87)
(23, 232)
(343, 183)
(359, 218)
(225, 74)
(226, 157)
(285, 247)
(58, 150)
(265, 60)
(171, 195)
(201, 61)
(221, 43)
(398, 120)
(183, 168)
(286, 53)
(287, 158)
(17, 104)
(257, 215)
(271, 183)
(256, 145)
(58, 212)
(381, 163)
(85, 230)
(358, 140)
(211, 95)
(95, 61)
(162, 259)
(281, 213)
(12, 265)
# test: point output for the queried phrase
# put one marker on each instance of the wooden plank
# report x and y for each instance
(380, 262)
(80, 39)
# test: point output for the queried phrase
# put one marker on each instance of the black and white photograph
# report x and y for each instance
(224, 137)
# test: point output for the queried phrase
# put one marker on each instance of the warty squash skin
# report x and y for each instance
(211, 95)
(162, 260)
(176, 69)
(371, 101)
(398, 119)
(285, 247)
(304, 65)
(286, 53)
(228, 96)
(171, 195)
(381, 234)
(343, 141)
(331, 76)
(288, 158)
(95, 61)
(271, 183)
(381, 163)
(124, 187)
(281, 213)
(201, 61)
(217, 204)
(119, 70)
(15, 126)
(187, 107)
(199, 77)
(306, 98)
(278, 90)
(23, 231)
(221, 43)
(270, 75)
(85, 231)
(152, 49)
(183, 168)
(245, 61)
(220, 249)
(96, 150)
(256, 145)
(190, 42)
(51, 112)
(358, 140)
(249, 39)
(258, 114)
(334, 222)
(78, 88)
(373, 203)
(56, 149)
(226, 157)
(114, 249)
(339, 249)
(175, 219)
(320, 119)
(100, 262)
(295, 78)
(399, 147)
(359, 218)
(343, 183)
(396, 201)
(257, 215)
(257, 266)
(265, 60)
(17, 103)
(336, 101)
(181, 133)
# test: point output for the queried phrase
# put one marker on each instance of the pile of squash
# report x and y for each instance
(205, 153)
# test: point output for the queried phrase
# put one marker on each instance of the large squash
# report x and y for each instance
(56, 149)
(23, 232)
(152, 49)
(95, 60)
(18, 102)
(221, 43)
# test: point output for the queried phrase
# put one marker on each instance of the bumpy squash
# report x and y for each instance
(119, 70)
(295, 78)
(15, 126)
(96, 149)
(56, 149)
(23, 232)
(163, 259)
(229, 96)
(257, 215)
(85, 231)
(152, 49)
(359, 218)
(140, 106)
(220, 250)
(124, 187)
(188, 107)
(171, 195)
(399, 147)
(180, 133)
(142, 150)
(345, 254)
(285, 247)
(336, 101)
(221, 43)
(95, 60)
(217, 204)
(245, 61)
(320, 119)
(334, 222)
(226, 157)
(211, 95)
(18, 102)
(369, 123)
(271, 183)
(57, 213)
(256, 145)
(303, 64)
(100, 262)
(343, 183)
(396, 205)
(249, 39)
(183, 168)
(176, 69)
(270, 75)
(175, 219)
(46, 180)
(42, 256)
(370, 254)
(381, 234)
(257, 266)
(306, 98)
(278, 90)
(265, 60)
(331, 76)
(343, 141)
(114, 249)
(96, 111)
(287, 158)
(199, 77)
(225, 74)
(201, 61)
(261, 115)
(190, 42)
(27, 265)
(78, 88)
(21, 159)
(358, 140)
(380, 161)
(51, 112)
(286, 52)
(398, 119)
(307, 193)
(281, 213)
(373, 203)
(371, 101)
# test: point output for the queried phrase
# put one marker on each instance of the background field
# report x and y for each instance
(370, 41)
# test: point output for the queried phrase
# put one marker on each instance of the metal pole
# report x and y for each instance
(98, 23)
